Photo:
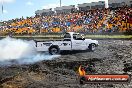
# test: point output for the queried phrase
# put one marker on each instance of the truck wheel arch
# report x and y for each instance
(92, 46)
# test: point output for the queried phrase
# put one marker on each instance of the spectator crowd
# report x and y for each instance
(92, 21)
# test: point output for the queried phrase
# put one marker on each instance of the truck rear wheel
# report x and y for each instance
(54, 50)
(92, 47)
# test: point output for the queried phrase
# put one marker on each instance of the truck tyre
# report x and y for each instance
(54, 50)
(92, 47)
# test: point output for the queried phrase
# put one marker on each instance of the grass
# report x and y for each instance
(86, 36)
(110, 36)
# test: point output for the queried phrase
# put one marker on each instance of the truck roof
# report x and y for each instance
(72, 33)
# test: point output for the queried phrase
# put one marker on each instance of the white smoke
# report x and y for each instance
(16, 51)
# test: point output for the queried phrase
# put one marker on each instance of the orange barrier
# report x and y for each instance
(56, 29)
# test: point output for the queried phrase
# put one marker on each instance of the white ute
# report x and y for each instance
(72, 41)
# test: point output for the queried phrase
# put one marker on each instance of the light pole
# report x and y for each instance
(2, 8)
(60, 3)
(106, 3)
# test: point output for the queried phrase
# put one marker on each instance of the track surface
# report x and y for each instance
(111, 57)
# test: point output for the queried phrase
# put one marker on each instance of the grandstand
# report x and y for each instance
(119, 3)
(93, 5)
(89, 18)
(44, 12)
(65, 9)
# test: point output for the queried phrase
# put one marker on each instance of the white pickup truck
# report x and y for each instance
(72, 41)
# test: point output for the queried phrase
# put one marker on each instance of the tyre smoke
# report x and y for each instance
(17, 51)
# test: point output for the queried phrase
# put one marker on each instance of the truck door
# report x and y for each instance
(66, 45)
(78, 43)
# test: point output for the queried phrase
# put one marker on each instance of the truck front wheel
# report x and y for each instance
(54, 50)
(92, 47)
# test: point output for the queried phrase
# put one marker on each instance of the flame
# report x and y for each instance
(81, 71)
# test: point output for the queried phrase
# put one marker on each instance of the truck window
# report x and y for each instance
(77, 37)
(67, 35)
